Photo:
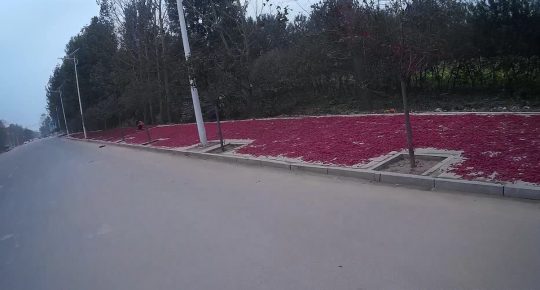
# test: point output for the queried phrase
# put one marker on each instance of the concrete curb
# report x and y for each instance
(276, 164)
(309, 168)
(521, 191)
(424, 182)
(367, 174)
(469, 186)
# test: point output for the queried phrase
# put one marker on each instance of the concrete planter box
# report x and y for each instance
(408, 179)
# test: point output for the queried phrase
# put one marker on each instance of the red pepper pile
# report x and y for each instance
(506, 147)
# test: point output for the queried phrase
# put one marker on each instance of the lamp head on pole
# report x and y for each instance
(73, 52)
(70, 55)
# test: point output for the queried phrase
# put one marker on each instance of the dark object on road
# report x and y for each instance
(101, 146)
(140, 125)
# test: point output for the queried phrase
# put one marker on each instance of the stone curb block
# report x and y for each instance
(197, 155)
(522, 191)
(248, 161)
(370, 175)
(406, 179)
(309, 168)
(217, 157)
(153, 149)
(275, 164)
(469, 186)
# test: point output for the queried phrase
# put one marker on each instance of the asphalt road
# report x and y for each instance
(75, 216)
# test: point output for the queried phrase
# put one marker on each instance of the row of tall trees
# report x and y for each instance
(13, 135)
(344, 54)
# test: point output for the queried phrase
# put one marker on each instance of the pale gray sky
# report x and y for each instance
(33, 35)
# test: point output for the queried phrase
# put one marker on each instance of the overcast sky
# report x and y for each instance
(33, 35)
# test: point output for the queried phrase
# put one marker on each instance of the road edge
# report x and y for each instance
(422, 182)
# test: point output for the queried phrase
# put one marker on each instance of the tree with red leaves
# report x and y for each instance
(415, 47)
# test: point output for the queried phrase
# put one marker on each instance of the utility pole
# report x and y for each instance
(194, 91)
(72, 57)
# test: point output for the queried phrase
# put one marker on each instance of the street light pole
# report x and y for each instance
(57, 118)
(79, 94)
(78, 90)
(59, 91)
(194, 91)
(64, 113)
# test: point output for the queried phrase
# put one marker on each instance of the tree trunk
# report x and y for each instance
(218, 123)
(151, 110)
(145, 115)
(160, 87)
(408, 127)
(164, 63)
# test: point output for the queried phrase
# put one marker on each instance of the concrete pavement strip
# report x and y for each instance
(424, 182)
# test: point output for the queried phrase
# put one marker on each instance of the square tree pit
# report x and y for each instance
(425, 164)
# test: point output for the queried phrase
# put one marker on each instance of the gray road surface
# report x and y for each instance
(75, 216)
